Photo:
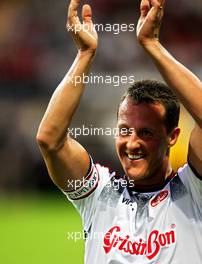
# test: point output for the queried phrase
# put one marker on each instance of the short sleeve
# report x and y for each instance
(86, 197)
(192, 183)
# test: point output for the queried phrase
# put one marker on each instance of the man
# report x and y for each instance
(151, 215)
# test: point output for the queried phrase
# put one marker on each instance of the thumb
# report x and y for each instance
(87, 14)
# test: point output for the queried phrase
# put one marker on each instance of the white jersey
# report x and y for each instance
(123, 226)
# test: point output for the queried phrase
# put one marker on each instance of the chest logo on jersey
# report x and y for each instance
(150, 248)
(159, 198)
(127, 201)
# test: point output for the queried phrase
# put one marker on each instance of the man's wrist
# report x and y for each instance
(89, 54)
(149, 45)
(154, 49)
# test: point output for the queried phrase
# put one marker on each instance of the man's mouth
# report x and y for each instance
(137, 156)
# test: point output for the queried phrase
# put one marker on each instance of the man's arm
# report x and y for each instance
(184, 83)
(65, 158)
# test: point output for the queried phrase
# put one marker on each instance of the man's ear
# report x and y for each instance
(174, 136)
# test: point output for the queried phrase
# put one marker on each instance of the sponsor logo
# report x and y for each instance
(151, 248)
(159, 198)
(127, 201)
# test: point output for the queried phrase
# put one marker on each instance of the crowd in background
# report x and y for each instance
(36, 52)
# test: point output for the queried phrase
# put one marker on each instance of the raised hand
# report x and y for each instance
(84, 34)
(149, 23)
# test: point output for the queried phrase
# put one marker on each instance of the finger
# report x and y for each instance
(156, 10)
(87, 14)
(144, 8)
(72, 10)
(157, 4)
(74, 4)
(161, 2)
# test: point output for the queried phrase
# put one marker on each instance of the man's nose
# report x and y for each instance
(133, 142)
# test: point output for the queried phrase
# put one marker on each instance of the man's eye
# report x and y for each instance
(146, 133)
(124, 131)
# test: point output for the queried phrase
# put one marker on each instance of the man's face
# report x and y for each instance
(143, 141)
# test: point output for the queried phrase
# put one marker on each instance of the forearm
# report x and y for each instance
(63, 104)
(184, 83)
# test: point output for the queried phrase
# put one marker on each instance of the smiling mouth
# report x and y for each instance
(135, 156)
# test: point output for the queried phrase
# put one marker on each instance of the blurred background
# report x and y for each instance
(35, 53)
